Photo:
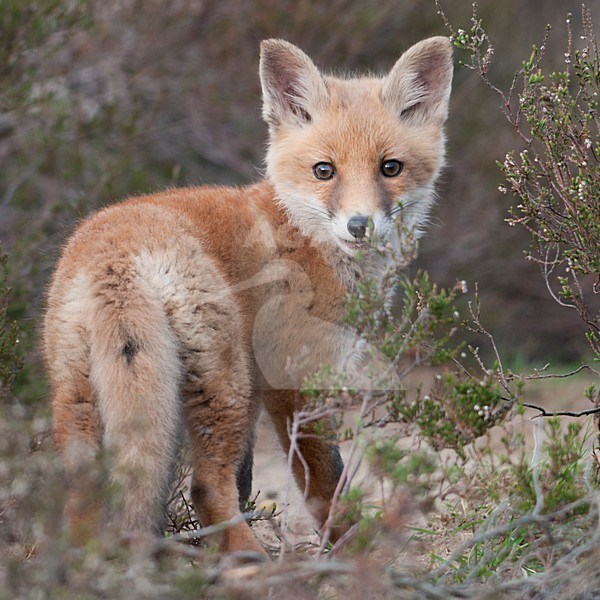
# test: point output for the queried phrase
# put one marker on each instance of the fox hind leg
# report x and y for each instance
(77, 434)
(218, 407)
(76, 424)
(221, 420)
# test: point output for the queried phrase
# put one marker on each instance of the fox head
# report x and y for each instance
(349, 157)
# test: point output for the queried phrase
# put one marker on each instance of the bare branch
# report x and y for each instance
(560, 413)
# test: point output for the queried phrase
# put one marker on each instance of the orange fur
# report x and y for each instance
(188, 309)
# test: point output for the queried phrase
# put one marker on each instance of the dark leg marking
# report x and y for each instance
(244, 476)
(337, 463)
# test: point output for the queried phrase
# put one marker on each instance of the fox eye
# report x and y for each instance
(323, 171)
(391, 168)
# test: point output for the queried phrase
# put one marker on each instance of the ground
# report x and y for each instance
(272, 483)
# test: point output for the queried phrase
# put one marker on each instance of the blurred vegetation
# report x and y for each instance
(104, 99)
(10, 360)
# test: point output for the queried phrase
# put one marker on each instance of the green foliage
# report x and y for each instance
(519, 509)
(557, 180)
(557, 176)
(428, 321)
(26, 25)
(561, 470)
(401, 466)
(457, 410)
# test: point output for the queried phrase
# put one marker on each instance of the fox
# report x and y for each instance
(182, 315)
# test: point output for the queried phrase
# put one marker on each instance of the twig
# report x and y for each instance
(537, 375)
(343, 481)
(561, 413)
(548, 268)
(293, 450)
(186, 536)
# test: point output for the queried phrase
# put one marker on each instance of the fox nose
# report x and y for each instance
(357, 226)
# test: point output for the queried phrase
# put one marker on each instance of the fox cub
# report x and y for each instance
(182, 314)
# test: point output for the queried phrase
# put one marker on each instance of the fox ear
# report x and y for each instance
(418, 86)
(293, 89)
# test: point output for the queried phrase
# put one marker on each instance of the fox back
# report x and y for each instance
(184, 313)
